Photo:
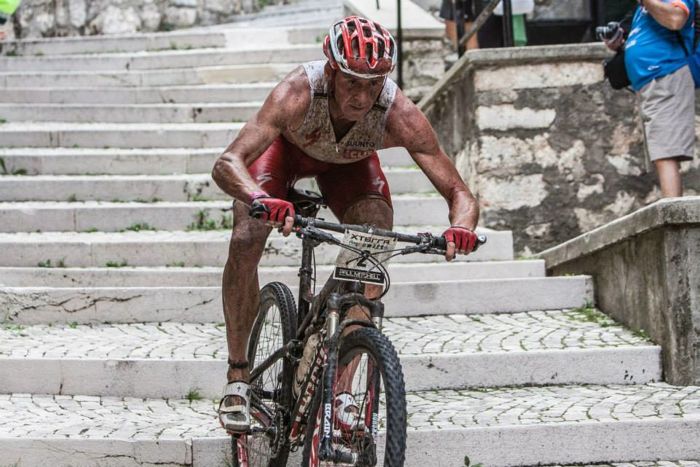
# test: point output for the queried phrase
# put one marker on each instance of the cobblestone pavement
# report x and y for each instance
(537, 330)
(550, 404)
(641, 464)
(540, 330)
(106, 417)
(27, 415)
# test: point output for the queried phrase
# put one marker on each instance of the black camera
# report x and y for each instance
(610, 32)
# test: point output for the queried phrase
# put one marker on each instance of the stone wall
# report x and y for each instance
(646, 275)
(551, 150)
(48, 18)
(544, 9)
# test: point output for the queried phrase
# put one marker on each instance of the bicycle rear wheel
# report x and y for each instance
(370, 372)
(271, 392)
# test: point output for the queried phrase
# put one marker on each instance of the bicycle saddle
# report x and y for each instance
(306, 203)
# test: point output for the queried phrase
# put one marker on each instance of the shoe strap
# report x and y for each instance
(237, 388)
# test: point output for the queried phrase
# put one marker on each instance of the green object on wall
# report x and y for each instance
(8, 6)
(519, 33)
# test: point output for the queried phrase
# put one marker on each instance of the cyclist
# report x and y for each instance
(326, 119)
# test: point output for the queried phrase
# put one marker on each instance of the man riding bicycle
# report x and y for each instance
(326, 120)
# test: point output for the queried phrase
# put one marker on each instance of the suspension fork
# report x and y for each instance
(337, 306)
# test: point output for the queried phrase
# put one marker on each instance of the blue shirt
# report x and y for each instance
(653, 51)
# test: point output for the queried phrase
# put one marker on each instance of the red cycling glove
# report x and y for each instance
(463, 238)
(276, 210)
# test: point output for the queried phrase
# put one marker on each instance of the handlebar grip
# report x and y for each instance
(257, 209)
(441, 243)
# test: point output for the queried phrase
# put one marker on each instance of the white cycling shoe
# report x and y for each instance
(347, 413)
(235, 416)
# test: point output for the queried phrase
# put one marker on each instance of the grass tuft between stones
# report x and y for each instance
(48, 264)
(589, 314)
(193, 395)
(138, 227)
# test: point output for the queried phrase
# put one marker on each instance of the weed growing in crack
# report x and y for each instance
(202, 221)
(642, 334)
(138, 227)
(73, 324)
(176, 264)
(115, 264)
(193, 395)
(141, 200)
(589, 314)
(4, 171)
(48, 264)
(72, 198)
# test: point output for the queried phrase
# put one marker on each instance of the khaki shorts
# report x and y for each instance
(668, 114)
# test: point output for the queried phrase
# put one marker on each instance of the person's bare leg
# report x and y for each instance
(669, 172)
(473, 42)
(451, 33)
(375, 212)
(240, 285)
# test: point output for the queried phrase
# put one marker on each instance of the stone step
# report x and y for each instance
(227, 74)
(679, 463)
(32, 305)
(237, 36)
(126, 161)
(305, 11)
(171, 59)
(118, 135)
(116, 43)
(210, 215)
(129, 113)
(499, 428)
(122, 188)
(207, 93)
(438, 352)
(196, 248)
(211, 276)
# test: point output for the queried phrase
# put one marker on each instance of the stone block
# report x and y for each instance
(180, 17)
(507, 117)
(538, 76)
(646, 270)
(114, 20)
(77, 13)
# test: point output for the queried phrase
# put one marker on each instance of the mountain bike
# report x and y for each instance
(321, 379)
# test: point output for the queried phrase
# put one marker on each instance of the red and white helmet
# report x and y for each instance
(360, 47)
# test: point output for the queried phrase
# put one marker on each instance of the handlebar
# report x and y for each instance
(426, 239)
(423, 239)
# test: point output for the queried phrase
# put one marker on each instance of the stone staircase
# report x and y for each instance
(112, 239)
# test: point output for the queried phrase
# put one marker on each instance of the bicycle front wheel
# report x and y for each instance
(271, 392)
(369, 406)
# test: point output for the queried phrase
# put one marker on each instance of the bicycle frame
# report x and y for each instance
(331, 308)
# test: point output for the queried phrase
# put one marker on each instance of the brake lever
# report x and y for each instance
(316, 234)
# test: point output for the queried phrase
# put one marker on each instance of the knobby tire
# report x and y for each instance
(377, 346)
(274, 327)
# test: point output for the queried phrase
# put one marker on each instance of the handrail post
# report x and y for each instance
(458, 15)
(507, 24)
(399, 44)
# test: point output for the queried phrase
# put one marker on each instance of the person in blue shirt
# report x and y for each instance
(657, 66)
